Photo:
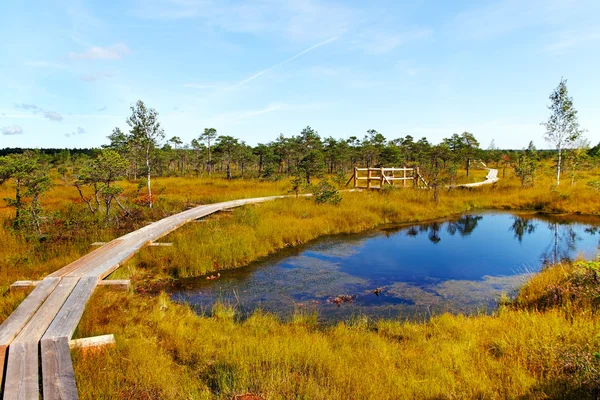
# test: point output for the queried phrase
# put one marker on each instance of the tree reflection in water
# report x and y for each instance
(563, 245)
(522, 227)
(465, 225)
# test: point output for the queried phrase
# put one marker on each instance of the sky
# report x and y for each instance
(70, 70)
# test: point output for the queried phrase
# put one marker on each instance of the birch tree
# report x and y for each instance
(562, 127)
(146, 129)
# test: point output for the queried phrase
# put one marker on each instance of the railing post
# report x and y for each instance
(381, 179)
(416, 176)
(355, 176)
(404, 176)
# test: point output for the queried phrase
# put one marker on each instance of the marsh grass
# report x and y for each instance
(165, 350)
(532, 348)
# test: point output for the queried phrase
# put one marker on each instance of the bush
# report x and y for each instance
(327, 193)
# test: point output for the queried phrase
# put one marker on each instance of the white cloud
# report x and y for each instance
(31, 107)
(44, 64)
(377, 42)
(306, 20)
(274, 107)
(95, 77)
(53, 116)
(569, 40)
(114, 52)
(12, 130)
(103, 108)
(200, 86)
(498, 18)
(264, 71)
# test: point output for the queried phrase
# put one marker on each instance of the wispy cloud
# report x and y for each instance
(501, 17)
(44, 64)
(297, 20)
(571, 40)
(30, 107)
(103, 108)
(201, 86)
(114, 52)
(264, 71)
(95, 76)
(378, 42)
(53, 116)
(12, 130)
(79, 131)
(274, 107)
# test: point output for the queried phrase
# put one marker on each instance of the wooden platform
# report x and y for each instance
(40, 330)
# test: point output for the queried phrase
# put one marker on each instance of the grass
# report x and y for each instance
(165, 350)
(541, 345)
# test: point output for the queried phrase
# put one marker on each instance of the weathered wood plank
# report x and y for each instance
(68, 317)
(22, 379)
(94, 341)
(89, 257)
(12, 325)
(98, 244)
(116, 284)
(23, 285)
(58, 376)
(154, 244)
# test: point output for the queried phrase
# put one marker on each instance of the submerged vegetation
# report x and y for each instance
(530, 348)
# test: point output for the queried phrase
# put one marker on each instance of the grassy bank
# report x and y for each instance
(532, 348)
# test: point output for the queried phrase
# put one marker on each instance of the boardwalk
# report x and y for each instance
(492, 177)
(39, 330)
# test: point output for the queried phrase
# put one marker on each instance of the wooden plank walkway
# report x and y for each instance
(492, 177)
(38, 332)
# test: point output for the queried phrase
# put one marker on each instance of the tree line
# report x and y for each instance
(143, 151)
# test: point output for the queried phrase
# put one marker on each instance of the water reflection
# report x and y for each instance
(465, 225)
(461, 265)
(563, 245)
(522, 226)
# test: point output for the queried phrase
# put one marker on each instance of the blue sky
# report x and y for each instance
(69, 70)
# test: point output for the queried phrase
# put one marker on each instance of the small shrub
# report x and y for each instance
(327, 193)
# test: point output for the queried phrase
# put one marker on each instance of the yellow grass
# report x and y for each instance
(533, 349)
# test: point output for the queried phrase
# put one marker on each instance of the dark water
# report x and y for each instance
(460, 265)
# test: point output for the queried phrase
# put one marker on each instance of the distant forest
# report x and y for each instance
(285, 156)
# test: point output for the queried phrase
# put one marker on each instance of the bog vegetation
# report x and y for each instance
(542, 344)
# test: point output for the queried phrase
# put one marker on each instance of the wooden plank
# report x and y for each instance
(155, 244)
(106, 256)
(23, 285)
(22, 379)
(90, 257)
(116, 284)
(58, 376)
(19, 318)
(94, 341)
(68, 317)
(98, 244)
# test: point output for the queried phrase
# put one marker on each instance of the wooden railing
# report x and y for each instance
(376, 178)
